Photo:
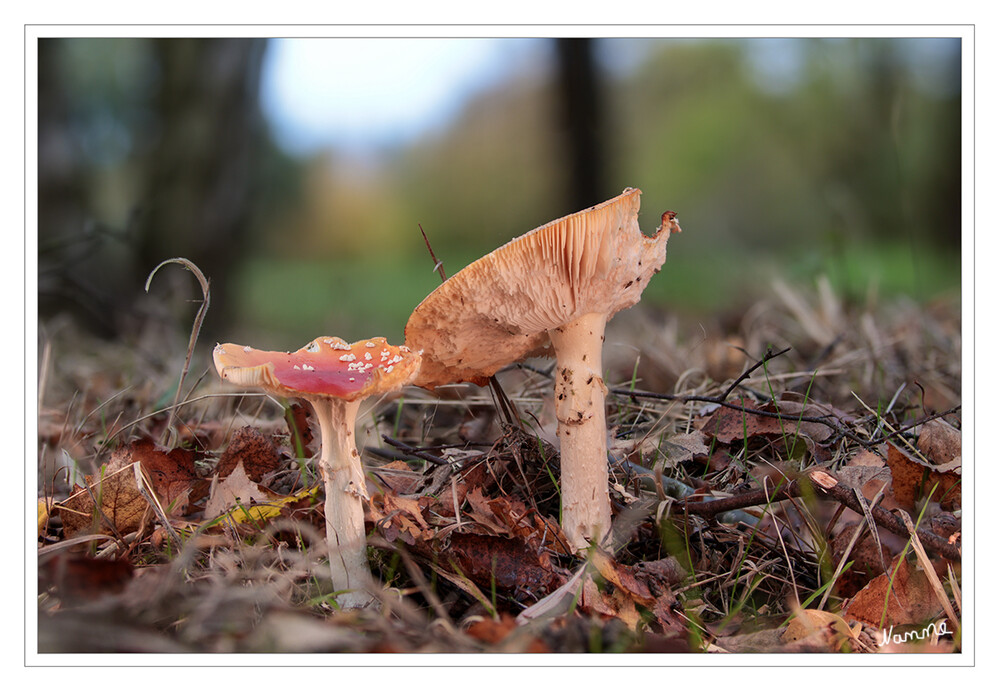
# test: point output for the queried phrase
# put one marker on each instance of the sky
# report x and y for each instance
(357, 93)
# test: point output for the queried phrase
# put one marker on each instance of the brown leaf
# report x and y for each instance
(504, 631)
(728, 425)
(120, 503)
(507, 564)
(634, 586)
(622, 577)
(939, 442)
(171, 472)
(683, 447)
(908, 599)
(254, 450)
(396, 516)
(481, 512)
(867, 472)
(827, 629)
(868, 559)
(913, 480)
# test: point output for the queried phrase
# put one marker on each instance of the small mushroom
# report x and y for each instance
(554, 286)
(334, 377)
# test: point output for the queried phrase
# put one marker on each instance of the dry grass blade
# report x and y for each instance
(195, 329)
(930, 571)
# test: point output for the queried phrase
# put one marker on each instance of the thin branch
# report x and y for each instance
(438, 265)
(805, 486)
(413, 451)
(767, 356)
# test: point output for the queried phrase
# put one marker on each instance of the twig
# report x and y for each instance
(438, 265)
(911, 425)
(767, 356)
(195, 329)
(413, 451)
(823, 420)
(806, 486)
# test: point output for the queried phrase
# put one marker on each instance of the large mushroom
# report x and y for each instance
(334, 377)
(554, 286)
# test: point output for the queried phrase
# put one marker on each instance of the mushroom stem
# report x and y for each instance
(343, 476)
(582, 429)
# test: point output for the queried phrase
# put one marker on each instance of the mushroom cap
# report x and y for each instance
(498, 309)
(326, 367)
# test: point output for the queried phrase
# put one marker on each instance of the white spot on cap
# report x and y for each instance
(312, 347)
(340, 345)
(308, 368)
(369, 344)
(349, 357)
(297, 367)
(247, 349)
(367, 356)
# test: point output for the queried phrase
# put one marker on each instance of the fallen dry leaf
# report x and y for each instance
(939, 442)
(867, 472)
(914, 480)
(120, 503)
(827, 627)
(235, 490)
(251, 448)
(504, 632)
(171, 472)
(681, 448)
(905, 599)
(869, 560)
(507, 564)
(635, 587)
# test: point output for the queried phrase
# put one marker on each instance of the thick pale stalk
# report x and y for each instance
(582, 429)
(343, 475)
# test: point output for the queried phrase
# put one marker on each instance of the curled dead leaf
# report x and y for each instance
(939, 442)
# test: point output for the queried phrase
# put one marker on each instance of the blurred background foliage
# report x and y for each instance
(792, 157)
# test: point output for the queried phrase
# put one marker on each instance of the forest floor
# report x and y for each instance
(786, 478)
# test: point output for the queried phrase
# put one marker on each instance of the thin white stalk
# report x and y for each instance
(582, 430)
(343, 475)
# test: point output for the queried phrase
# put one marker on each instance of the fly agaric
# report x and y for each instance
(556, 285)
(334, 377)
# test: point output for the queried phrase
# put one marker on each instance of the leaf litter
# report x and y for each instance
(216, 543)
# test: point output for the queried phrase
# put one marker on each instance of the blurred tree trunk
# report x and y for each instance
(68, 239)
(199, 176)
(581, 120)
